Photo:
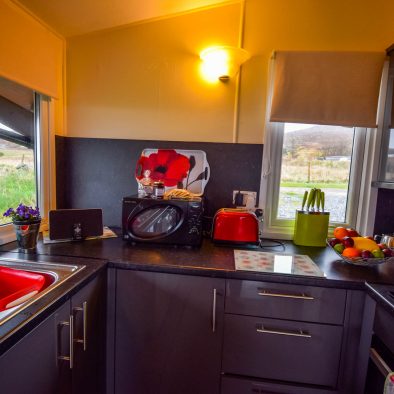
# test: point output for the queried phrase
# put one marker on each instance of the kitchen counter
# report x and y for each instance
(209, 260)
(218, 261)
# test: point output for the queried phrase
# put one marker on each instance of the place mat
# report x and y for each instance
(107, 233)
(279, 263)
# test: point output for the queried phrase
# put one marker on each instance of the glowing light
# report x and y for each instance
(221, 62)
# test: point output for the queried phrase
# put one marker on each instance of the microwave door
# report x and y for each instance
(155, 222)
(150, 219)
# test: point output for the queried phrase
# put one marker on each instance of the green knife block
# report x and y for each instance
(311, 228)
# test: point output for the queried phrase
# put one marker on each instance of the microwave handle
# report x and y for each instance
(379, 362)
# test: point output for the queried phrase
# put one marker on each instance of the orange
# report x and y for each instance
(340, 232)
(351, 252)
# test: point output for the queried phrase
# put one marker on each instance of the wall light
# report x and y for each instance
(222, 62)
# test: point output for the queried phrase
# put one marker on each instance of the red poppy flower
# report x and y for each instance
(166, 165)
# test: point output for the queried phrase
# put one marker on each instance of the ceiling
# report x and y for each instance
(76, 17)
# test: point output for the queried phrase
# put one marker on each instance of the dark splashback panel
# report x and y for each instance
(384, 219)
(98, 173)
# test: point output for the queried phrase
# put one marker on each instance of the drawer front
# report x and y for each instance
(289, 351)
(231, 385)
(282, 301)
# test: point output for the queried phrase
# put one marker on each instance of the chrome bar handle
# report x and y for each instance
(214, 310)
(302, 296)
(379, 362)
(69, 358)
(299, 333)
(84, 310)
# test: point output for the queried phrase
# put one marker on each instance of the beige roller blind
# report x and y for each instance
(30, 54)
(333, 88)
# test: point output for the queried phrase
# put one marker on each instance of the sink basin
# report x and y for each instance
(54, 274)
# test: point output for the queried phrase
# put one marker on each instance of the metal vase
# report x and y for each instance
(27, 235)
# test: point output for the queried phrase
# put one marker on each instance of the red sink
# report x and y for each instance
(17, 286)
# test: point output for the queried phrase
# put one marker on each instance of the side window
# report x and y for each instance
(316, 156)
(303, 156)
(18, 175)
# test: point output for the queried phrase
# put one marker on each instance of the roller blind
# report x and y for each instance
(333, 88)
(30, 54)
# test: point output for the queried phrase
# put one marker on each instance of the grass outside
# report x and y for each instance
(17, 180)
(316, 171)
(317, 185)
(331, 177)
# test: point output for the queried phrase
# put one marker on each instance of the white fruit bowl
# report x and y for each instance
(366, 262)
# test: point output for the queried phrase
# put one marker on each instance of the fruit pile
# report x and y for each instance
(350, 244)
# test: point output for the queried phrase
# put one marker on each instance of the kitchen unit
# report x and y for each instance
(64, 353)
(183, 320)
(168, 332)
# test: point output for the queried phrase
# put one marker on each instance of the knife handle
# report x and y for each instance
(304, 199)
(310, 198)
(318, 198)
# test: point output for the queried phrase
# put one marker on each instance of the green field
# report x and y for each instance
(317, 185)
(17, 179)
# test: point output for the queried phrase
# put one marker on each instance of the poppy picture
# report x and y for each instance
(182, 169)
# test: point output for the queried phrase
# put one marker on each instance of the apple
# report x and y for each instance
(339, 248)
(378, 253)
(366, 254)
(352, 232)
(382, 246)
(347, 242)
(334, 241)
(387, 252)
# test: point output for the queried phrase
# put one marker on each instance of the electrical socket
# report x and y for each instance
(248, 198)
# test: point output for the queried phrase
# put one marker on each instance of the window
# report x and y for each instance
(304, 87)
(17, 153)
(24, 147)
(304, 156)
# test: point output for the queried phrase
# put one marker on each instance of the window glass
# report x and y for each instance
(315, 156)
(17, 147)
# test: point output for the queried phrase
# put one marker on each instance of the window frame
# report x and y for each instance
(44, 163)
(283, 228)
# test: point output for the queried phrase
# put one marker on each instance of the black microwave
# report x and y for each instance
(162, 221)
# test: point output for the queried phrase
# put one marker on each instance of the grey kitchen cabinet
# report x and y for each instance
(40, 362)
(282, 350)
(285, 338)
(168, 335)
(32, 364)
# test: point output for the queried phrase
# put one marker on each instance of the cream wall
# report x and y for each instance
(142, 81)
(32, 55)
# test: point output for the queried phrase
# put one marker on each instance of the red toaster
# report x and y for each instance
(237, 226)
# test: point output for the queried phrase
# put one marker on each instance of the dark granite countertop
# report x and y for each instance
(209, 260)
(212, 260)
(15, 328)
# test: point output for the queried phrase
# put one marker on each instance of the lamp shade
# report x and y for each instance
(222, 62)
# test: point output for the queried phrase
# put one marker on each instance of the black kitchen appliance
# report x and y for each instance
(381, 362)
(162, 221)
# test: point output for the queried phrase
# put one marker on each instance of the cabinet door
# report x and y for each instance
(32, 365)
(168, 333)
(88, 310)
